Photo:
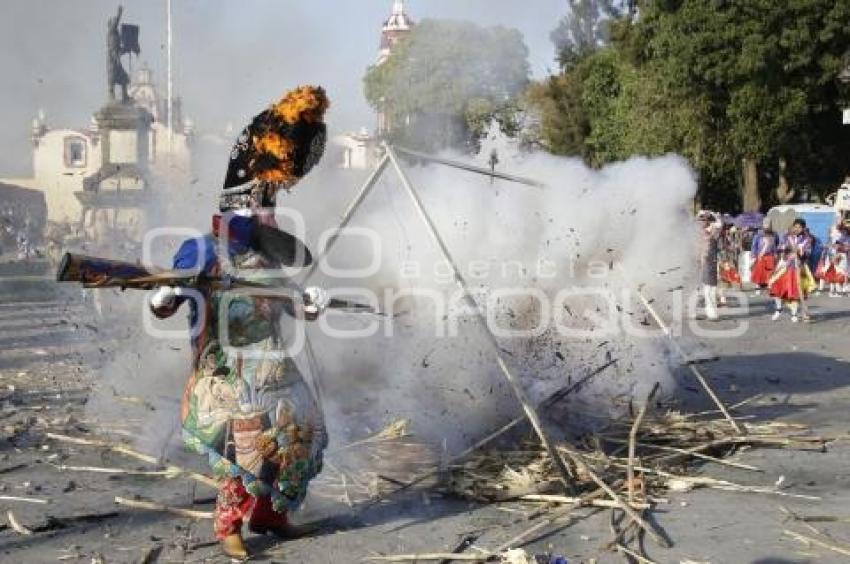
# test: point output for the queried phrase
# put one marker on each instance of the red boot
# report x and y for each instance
(232, 504)
(264, 519)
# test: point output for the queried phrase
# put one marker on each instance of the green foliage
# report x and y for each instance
(717, 81)
(443, 84)
(562, 125)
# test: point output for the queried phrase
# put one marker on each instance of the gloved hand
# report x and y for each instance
(315, 300)
(165, 297)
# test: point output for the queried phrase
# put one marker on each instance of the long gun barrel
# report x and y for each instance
(96, 272)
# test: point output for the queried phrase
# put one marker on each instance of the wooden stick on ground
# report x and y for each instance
(17, 527)
(141, 504)
(796, 517)
(428, 557)
(630, 471)
(694, 370)
(123, 449)
(172, 473)
(687, 483)
(821, 519)
(749, 439)
(845, 550)
(23, 499)
(550, 518)
(12, 468)
(734, 406)
(689, 452)
(633, 554)
(578, 460)
(578, 501)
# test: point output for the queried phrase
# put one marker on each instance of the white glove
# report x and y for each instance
(165, 297)
(315, 300)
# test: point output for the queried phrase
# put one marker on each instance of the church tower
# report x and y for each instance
(397, 26)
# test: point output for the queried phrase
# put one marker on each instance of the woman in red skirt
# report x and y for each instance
(764, 249)
(792, 282)
(832, 268)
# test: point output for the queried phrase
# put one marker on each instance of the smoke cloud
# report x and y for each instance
(595, 237)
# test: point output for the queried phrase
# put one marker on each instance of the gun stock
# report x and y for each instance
(101, 272)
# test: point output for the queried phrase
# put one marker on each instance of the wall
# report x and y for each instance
(58, 180)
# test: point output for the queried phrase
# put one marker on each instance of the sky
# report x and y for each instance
(231, 58)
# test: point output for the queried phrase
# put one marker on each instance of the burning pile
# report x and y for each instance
(665, 450)
(626, 468)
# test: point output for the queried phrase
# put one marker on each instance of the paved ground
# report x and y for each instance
(49, 345)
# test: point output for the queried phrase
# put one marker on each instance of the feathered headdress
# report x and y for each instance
(276, 149)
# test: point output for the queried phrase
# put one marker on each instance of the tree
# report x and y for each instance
(562, 125)
(766, 67)
(583, 30)
(746, 91)
(445, 82)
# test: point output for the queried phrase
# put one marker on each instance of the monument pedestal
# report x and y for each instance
(121, 182)
(124, 131)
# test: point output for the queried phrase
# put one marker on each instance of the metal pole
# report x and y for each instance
(349, 212)
(519, 392)
(170, 102)
(471, 168)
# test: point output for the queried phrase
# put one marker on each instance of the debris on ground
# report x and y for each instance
(626, 468)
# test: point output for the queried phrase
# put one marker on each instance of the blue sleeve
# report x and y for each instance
(196, 254)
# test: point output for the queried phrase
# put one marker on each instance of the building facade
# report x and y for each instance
(126, 150)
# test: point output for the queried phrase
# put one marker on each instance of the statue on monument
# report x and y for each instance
(116, 75)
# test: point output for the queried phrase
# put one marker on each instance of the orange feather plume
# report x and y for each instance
(307, 103)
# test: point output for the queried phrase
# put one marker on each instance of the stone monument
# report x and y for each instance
(123, 126)
(124, 131)
(115, 73)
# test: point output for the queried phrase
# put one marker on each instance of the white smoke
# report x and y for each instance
(613, 231)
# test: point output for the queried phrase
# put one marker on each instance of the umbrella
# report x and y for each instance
(749, 220)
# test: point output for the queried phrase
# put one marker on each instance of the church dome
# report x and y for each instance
(398, 20)
(394, 28)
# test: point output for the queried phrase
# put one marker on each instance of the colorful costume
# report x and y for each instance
(728, 257)
(792, 281)
(832, 267)
(246, 406)
(764, 249)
